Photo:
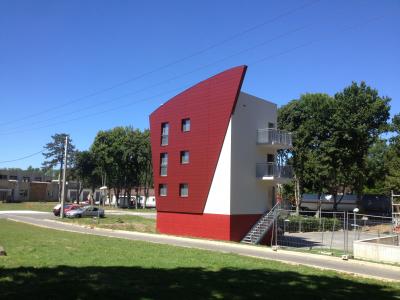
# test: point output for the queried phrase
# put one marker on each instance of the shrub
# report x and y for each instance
(308, 224)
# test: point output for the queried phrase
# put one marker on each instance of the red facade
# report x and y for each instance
(209, 106)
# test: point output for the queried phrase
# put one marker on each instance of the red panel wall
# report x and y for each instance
(209, 105)
(212, 226)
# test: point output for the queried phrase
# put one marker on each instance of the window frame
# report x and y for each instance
(160, 186)
(181, 186)
(182, 156)
(184, 125)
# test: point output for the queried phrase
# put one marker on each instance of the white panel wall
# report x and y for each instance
(218, 201)
(249, 195)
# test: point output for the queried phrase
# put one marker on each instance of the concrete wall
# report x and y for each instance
(250, 195)
(384, 249)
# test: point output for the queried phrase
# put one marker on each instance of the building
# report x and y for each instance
(214, 159)
(22, 185)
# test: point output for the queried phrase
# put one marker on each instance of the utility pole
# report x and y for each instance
(64, 178)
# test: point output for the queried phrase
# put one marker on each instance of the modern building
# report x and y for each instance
(214, 159)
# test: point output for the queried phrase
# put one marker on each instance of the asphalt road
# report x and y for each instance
(359, 268)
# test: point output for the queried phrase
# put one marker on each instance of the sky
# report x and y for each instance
(78, 67)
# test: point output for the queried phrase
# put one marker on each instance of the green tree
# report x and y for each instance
(333, 137)
(392, 181)
(54, 153)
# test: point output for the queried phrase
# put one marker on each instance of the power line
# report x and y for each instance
(289, 50)
(21, 158)
(197, 53)
(280, 36)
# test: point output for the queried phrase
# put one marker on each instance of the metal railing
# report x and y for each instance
(270, 136)
(273, 170)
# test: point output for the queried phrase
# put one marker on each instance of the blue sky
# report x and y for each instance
(55, 57)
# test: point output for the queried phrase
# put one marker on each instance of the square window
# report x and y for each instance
(184, 190)
(164, 133)
(185, 125)
(184, 157)
(163, 164)
(162, 189)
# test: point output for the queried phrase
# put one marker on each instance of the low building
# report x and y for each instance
(214, 159)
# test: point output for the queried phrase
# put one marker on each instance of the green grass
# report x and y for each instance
(49, 264)
(123, 222)
(38, 206)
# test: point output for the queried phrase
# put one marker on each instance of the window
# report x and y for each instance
(26, 179)
(185, 125)
(3, 177)
(162, 189)
(271, 125)
(163, 164)
(184, 157)
(183, 190)
(38, 178)
(13, 177)
(164, 134)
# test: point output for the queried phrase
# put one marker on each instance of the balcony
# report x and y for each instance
(274, 172)
(279, 139)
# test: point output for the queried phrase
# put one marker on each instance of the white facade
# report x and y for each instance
(235, 189)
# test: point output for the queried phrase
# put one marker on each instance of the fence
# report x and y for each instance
(331, 232)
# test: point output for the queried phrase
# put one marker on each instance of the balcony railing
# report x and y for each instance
(273, 170)
(270, 136)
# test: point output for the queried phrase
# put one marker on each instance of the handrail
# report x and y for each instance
(274, 136)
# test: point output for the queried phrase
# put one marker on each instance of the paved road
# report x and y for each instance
(364, 269)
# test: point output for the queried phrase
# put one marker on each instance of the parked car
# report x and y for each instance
(150, 202)
(67, 207)
(86, 211)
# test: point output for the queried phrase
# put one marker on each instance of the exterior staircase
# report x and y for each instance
(263, 226)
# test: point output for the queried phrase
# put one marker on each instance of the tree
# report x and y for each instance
(361, 115)
(85, 172)
(392, 181)
(333, 137)
(54, 154)
(123, 155)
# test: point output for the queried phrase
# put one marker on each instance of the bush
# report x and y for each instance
(308, 224)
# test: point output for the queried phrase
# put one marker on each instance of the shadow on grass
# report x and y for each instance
(65, 282)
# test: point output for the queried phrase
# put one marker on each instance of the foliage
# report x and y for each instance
(54, 151)
(123, 155)
(299, 223)
(333, 137)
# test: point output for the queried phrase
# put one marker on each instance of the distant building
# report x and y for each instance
(23, 185)
(214, 159)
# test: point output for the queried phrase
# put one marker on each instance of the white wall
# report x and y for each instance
(218, 201)
(250, 195)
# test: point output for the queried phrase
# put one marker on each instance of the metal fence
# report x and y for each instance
(327, 232)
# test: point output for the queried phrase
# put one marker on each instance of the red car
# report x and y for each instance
(67, 207)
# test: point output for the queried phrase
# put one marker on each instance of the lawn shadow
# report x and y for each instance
(64, 282)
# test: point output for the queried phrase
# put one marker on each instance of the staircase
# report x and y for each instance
(263, 225)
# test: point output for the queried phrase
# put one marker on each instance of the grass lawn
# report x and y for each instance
(48, 264)
(38, 206)
(122, 222)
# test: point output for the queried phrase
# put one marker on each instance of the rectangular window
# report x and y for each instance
(162, 189)
(184, 157)
(13, 177)
(38, 178)
(185, 125)
(26, 179)
(164, 134)
(3, 177)
(163, 164)
(183, 190)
